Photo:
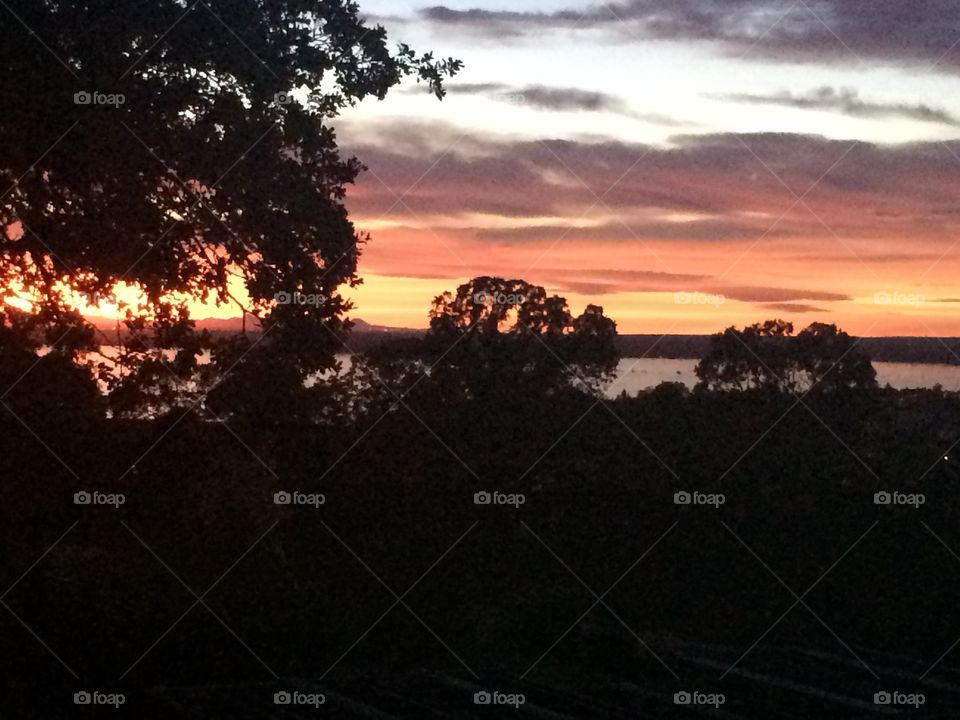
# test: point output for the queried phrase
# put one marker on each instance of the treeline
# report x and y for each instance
(944, 351)
(926, 350)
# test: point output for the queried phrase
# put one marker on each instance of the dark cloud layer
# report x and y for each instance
(698, 230)
(794, 308)
(604, 281)
(556, 99)
(847, 102)
(775, 295)
(712, 188)
(920, 30)
(546, 98)
(718, 193)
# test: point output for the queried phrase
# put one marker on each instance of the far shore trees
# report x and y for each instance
(768, 356)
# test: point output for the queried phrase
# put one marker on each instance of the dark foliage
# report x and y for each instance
(599, 498)
(185, 149)
(494, 341)
(767, 356)
(491, 587)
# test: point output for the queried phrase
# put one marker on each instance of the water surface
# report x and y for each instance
(636, 374)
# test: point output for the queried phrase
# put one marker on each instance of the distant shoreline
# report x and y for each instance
(925, 350)
(922, 350)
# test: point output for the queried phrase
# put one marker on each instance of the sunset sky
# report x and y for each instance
(688, 165)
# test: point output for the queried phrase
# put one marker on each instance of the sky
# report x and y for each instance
(688, 165)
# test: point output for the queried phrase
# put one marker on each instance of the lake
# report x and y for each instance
(636, 374)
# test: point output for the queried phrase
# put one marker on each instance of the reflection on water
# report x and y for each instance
(636, 374)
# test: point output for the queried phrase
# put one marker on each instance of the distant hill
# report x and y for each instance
(914, 349)
(926, 350)
(214, 325)
(363, 331)
(362, 326)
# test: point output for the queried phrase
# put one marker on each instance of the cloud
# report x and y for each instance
(771, 295)
(595, 281)
(554, 98)
(605, 281)
(585, 288)
(815, 30)
(705, 188)
(794, 308)
(873, 258)
(557, 99)
(847, 102)
(706, 230)
(545, 98)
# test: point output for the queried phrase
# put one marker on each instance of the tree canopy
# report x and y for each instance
(185, 149)
(495, 337)
(767, 356)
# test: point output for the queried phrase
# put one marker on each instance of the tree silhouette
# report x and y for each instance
(832, 361)
(52, 389)
(179, 146)
(498, 339)
(769, 357)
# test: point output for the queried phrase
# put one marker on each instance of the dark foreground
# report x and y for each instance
(400, 597)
